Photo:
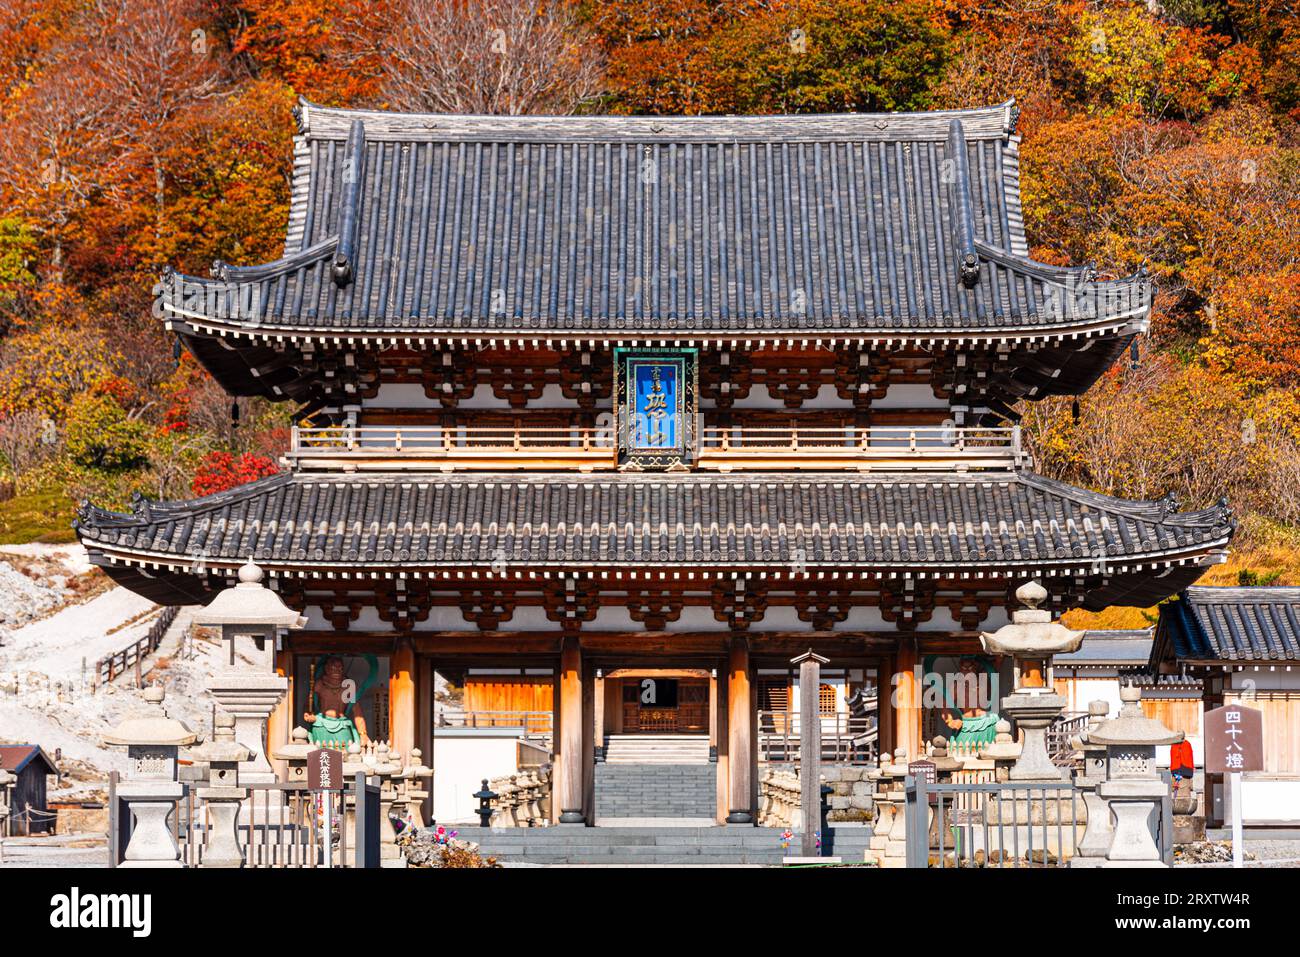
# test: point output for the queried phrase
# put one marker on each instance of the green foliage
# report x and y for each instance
(101, 436)
(44, 515)
(1250, 578)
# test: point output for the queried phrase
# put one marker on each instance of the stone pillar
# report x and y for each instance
(1095, 842)
(569, 761)
(740, 734)
(402, 697)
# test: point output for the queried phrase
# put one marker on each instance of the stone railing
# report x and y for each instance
(850, 798)
(522, 799)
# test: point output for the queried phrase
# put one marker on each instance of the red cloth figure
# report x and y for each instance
(1181, 762)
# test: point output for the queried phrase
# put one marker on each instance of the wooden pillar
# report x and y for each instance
(720, 702)
(740, 734)
(424, 721)
(588, 744)
(280, 722)
(569, 763)
(810, 749)
(598, 718)
(402, 706)
(905, 700)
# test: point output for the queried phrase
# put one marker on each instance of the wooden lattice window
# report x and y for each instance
(826, 699)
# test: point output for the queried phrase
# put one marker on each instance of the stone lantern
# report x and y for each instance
(222, 794)
(416, 775)
(1133, 787)
(1032, 639)
(152, 788)
(250, 692)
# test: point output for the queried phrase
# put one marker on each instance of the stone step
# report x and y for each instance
(654, 845)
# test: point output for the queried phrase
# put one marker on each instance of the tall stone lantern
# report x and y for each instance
(152, 787)
(250, 692)
(1032, 639)
(1133, 787)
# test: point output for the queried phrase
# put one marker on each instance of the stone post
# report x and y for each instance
(1133, 787)
(1003, 752)
(390, 854)
(152, 788)
(223, 795)
(896, 844)
(1096, 839)
(417, 790)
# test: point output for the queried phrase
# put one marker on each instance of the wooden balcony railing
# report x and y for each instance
(724, 449)
(389, 448)
(872, 448)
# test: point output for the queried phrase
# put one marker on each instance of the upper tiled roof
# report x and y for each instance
(1246, 624)
(850, 225)
(993, 523)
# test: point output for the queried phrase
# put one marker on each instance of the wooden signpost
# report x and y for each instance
(810, 748)
(325, 776)
(1234, 744)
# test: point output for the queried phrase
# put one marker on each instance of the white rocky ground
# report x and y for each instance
(57, 618)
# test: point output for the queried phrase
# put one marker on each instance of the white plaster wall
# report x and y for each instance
(462, 757)
(902, 395)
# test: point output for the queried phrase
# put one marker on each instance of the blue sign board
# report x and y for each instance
(656, 407)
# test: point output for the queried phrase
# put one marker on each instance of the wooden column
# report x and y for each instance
(720, 702)
(280, 722)
(740, 734)
(402, 704)
(598, 718)
(905, 698)
(569, 763)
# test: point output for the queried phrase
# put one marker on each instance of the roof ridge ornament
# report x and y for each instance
(959, 196)
(354, 165)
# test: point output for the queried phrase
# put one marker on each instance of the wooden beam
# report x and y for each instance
(907, 697)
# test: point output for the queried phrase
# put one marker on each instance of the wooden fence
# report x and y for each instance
(110, 666)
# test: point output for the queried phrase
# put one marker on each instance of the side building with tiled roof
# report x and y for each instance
(609, 417)
(1243, 645)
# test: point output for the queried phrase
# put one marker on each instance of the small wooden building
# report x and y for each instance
(1244, 646)
(28, 809)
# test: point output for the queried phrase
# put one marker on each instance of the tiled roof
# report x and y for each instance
(853, 224)
(1008, 522)
(1117, 646)
(1247, 624)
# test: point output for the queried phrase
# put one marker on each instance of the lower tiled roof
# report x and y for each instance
(994, 523)
(1232, 624)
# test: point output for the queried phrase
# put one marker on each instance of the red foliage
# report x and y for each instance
(222, 470)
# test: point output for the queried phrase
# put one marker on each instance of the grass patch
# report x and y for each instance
(44, 516)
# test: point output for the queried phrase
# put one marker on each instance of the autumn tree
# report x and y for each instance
(489, 56)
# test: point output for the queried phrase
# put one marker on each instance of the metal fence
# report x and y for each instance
(991, 824)
(845, 738)
(280, 825)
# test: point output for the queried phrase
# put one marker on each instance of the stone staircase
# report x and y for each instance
(648, 778)
(650, 846)
(656, 749)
